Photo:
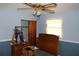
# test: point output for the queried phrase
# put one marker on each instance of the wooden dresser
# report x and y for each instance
(16, 49)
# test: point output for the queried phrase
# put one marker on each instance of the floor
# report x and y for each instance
(65, 49)
(5, 50)
(42, 53)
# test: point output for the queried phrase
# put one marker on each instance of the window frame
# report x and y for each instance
(61, 34)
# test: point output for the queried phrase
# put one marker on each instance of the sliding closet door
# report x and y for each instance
(29, 31)
(32, 32)
(24, 24)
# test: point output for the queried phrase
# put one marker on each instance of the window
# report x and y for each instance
(54, 26)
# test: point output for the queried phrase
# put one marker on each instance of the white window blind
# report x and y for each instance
(54, 26)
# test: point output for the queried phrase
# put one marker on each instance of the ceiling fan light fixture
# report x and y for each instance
(36, 13)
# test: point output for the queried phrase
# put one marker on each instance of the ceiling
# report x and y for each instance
(14, 5)
(60, 6)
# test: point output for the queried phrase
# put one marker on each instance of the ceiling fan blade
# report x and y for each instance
(29, 4)
(50, 5)
(24, 8)
(49, 11)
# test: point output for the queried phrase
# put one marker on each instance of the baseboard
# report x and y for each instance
(4, 40)
(70, 41)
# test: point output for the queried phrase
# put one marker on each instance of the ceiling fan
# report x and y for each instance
(37, 7)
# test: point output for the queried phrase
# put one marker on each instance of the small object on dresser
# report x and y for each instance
(28, 51)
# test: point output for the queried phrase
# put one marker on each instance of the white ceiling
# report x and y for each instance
(60, 6)
(14, 5)
(66, 6)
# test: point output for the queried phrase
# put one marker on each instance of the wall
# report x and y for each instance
(10, 17)
(5, 48)
(69, 13)
(68, 49)
(70, 18)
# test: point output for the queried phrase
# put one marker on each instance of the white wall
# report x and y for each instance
(10, 17)
(69, 13)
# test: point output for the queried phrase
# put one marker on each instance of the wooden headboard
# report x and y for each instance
(48, 43)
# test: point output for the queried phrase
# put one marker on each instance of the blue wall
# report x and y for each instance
(5, 48)
(70, 18)
(11, 17)
(69, 49)
(65, 49)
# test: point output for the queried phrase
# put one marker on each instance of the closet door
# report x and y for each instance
(32, 32)
(24, 24)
